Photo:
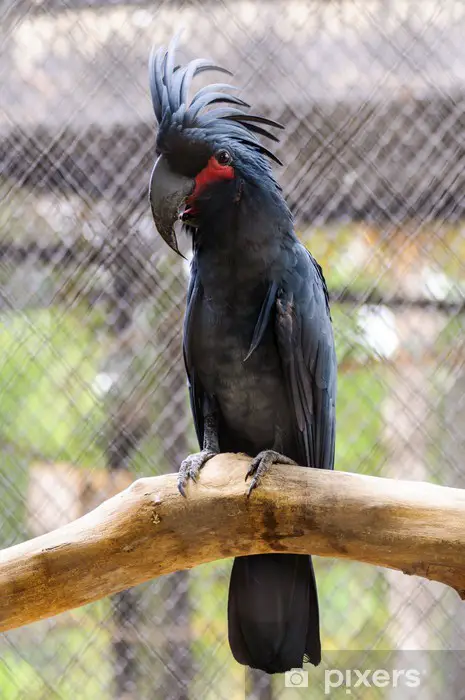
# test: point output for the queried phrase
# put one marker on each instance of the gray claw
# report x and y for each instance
(190, 468)
(260, 465)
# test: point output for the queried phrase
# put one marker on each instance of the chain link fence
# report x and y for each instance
(92, 386)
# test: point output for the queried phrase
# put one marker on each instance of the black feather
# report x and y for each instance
(213, 87)
(261, 148)
(243, 117)
(261, 616)
(214, 98)
(263, 319)
(169, 88)
(306, 347)
(263, 132)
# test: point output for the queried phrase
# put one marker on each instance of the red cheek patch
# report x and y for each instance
(213, 172)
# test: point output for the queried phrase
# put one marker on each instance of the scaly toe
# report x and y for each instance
(181, 484)
(253, 485)
(260, 465)
(253, 467)
(190, 469)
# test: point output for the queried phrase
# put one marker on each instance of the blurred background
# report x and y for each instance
(92, 385)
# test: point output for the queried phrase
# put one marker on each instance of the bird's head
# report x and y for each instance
(205, 152)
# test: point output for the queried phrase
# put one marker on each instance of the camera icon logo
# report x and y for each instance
(296, 678)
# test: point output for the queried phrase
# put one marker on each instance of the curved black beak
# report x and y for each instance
(167, 193)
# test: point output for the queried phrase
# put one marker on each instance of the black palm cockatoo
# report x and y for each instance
(258, 340)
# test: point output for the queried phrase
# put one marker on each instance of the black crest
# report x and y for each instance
(169, 87)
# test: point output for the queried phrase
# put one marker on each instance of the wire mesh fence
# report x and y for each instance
(92, 386)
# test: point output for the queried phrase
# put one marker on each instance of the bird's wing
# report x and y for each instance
(306, 346)
(196, 393)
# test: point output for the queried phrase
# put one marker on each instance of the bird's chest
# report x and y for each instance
(249, 391)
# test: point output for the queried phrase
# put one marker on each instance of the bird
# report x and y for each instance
(258, 341)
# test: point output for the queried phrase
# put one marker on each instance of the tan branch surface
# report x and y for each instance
(149, 530)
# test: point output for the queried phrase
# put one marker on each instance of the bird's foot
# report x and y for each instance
(260, 465)
(190, 468)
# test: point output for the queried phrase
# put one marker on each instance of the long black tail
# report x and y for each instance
(273, 612)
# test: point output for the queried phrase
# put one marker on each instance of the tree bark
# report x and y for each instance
(149, 530)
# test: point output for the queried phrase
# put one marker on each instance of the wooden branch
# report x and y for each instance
(149, 530)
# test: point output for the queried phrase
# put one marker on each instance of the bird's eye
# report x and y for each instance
(223, 157)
